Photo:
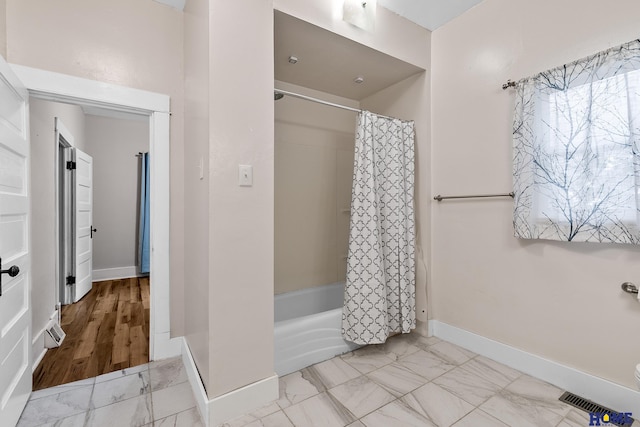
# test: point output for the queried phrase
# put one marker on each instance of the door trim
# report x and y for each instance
(64, 139)
(84, 92)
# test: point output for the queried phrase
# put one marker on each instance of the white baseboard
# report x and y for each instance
(230, 405)
(164, 347)
(599, 390)
(243, 400)
(196, 383)
(39, 350)
(115, 273)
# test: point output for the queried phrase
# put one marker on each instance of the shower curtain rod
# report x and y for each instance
(320, 101)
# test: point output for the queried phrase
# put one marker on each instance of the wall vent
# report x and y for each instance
(54, 336)
(594, 408)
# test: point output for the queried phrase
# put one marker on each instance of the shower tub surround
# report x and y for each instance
(308, 327)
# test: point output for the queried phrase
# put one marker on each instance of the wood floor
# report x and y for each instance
(107, 330)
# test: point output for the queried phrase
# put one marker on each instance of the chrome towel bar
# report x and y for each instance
(475, 196)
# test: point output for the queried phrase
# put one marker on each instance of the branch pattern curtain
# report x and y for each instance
(380, 285)
(576, 150)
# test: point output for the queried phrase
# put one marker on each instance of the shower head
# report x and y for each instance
(277, 95)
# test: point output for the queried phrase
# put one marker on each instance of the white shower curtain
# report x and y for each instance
(380, 286)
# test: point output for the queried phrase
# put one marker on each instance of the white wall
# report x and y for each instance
(113, 144)
(44, 294)
(314, 149)
(556, 300)
(196, 184)
(240, 218)
(3, 28)
(229, 258)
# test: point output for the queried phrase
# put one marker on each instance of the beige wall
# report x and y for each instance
(557, 300)
(314, 147)
(410, 100)
(113, 144)
(240, 218)
(229, 116)
(44, 295)
(196, 186)
(3, 28)
(132, 43)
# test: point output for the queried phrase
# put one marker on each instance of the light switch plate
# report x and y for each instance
(245, 175)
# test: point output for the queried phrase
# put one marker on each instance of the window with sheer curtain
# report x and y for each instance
(576, 162)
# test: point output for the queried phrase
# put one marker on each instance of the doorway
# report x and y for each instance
(78, 91)
(73, 186)
(104, 304)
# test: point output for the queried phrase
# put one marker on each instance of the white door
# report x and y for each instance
(83, 211)
(15, 304)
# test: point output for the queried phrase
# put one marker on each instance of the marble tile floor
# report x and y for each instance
(408, 381)
(154, 394)
(413, 381)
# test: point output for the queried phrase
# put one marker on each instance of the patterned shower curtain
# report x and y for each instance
(380, 285)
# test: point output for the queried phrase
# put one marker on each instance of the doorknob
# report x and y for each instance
(93, 230)
(11, 271)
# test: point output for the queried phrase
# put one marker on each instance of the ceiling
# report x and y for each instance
(329, 63)
(429, 14)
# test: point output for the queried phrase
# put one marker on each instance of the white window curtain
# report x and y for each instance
(576, 150)
(380, 285)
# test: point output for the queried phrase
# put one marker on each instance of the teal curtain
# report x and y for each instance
(143, 238)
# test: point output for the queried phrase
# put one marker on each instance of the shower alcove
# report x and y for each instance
(314, 153)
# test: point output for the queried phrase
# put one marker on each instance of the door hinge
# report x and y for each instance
(71, 280)
(71, 165)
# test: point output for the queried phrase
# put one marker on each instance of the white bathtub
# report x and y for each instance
(307, 327)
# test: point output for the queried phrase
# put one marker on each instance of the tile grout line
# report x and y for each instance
(87, 414)
(153, 416)
(287, 416)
